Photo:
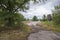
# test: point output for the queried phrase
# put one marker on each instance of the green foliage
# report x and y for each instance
(13, 5)
(57, 7)
(9, 18)
(49, 17)
(56, 15)
(28, 19)
(50, 26)
(44, 18)
(35, 18)
(13, 22)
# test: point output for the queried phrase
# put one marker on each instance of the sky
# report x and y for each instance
(40, 9)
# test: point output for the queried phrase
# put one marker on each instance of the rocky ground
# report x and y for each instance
(39, 33)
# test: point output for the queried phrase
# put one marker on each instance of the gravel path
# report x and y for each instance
(39, 33)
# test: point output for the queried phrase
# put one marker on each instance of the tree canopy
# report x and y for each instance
(14, 5)
(56, 15)
(9, 15)
(49, 17)
(35, 18)
(44, 18)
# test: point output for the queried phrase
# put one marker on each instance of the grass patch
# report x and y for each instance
(17, 34)
(50, 26)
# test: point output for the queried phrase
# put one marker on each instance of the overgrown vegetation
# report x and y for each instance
(46, 18)
(35, 18)
(50, 26)
(9, 16)
(11, 26)
(10, 19)
(16, 34)
(54, 24)
(56, 15)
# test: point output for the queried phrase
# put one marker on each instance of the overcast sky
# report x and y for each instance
(40, 9)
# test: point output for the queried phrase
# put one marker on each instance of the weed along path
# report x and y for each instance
(39, 33)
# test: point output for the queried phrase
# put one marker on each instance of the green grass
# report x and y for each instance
(18, 34)
(50, 26)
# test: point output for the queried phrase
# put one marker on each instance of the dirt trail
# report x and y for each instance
(39, 33)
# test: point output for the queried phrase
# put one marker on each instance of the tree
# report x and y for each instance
(9, 10)
(49, 17)
(13, 24)
(35, 18)
(44, 18)
(14, 5)
(56, 15)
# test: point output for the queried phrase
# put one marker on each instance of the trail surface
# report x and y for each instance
(39, 33)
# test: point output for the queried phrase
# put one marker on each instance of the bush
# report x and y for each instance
(56, 17)
(35, 18)
(10, 21)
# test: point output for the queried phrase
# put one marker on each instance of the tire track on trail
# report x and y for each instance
(39, 33)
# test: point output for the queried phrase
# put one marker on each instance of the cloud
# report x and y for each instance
(41, 8)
